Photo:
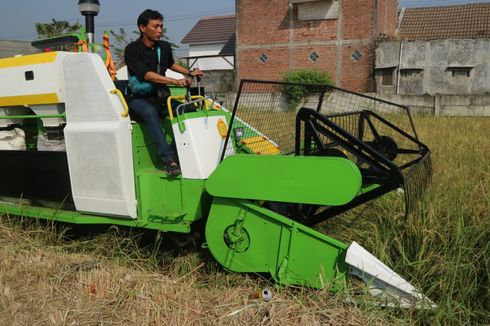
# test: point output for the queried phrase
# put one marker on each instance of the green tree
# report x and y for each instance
(297, 91)
(56, 28)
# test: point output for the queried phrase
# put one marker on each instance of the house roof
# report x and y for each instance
(463, 21)
(229, 47)
(211, 30)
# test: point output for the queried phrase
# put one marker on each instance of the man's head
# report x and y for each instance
(150, 24)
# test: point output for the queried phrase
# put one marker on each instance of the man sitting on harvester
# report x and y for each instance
(147, 59)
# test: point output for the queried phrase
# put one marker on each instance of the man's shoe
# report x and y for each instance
(172, 169)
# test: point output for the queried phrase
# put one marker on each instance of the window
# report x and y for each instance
(317, 9)
(459, 71)
(263, 58)
(314, 56)
(356, 56)
(411, 81)
(386, 76)
(411, 72)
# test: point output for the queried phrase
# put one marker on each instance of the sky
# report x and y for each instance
(17, 17)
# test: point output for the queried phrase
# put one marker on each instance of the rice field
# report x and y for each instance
(53, 274)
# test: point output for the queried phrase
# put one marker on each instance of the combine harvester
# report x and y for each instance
(259, 176)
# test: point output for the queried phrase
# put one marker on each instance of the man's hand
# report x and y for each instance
(183, 82)
(196, 73)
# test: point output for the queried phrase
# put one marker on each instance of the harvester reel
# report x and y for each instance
(386, 146)
(378, 136)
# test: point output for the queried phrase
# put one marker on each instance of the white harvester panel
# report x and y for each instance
(98, 140)
(200, 142)
(34, 81)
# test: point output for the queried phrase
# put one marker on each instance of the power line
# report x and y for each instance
(171, 18)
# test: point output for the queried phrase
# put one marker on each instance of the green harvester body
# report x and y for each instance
(273, 173)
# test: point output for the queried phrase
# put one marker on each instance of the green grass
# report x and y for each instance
(48, 276)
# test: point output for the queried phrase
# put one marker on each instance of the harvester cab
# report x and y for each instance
(259, 175)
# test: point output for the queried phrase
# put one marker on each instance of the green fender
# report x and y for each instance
(293, 179)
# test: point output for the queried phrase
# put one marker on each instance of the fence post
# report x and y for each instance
(437, 105)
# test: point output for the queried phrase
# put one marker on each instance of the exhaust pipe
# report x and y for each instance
(89, 9)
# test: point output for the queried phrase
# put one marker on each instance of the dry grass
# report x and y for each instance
(45, 280)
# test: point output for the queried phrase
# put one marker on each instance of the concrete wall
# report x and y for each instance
(441, 77)
(443, 105)
(435, 67)
(344, 43)
(218, 82)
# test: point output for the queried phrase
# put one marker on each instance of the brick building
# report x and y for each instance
(332, 35)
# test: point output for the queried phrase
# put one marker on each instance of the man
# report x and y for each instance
(142, 61)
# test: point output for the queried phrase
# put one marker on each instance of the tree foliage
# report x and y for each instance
(56, 28)
(295, 92)
(119, 40)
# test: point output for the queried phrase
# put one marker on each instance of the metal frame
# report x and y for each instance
(316, 133)
(232, 64)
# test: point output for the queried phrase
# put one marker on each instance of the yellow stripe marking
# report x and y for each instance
(260, 145)
(49, 98)
(31, 59)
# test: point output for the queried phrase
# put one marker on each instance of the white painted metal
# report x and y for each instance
(98, 140)
(52, 145)
(199, 146)
(48, 78)
(384, 282)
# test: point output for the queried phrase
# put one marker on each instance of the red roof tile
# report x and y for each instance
(211, 29)
(464, 21)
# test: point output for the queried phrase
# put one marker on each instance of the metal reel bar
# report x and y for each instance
(373, 144)
(378, 136)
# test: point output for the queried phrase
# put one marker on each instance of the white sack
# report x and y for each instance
(14, 139)
(45, 144)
